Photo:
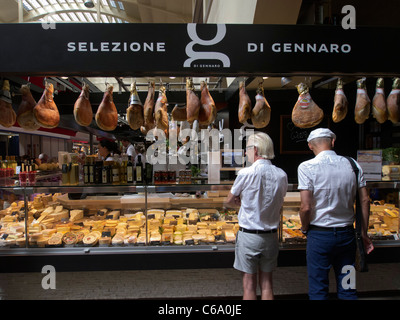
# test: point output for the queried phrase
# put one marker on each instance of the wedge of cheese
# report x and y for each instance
(114, 215)
(75, 215)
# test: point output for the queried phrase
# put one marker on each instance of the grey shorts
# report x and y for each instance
(255, 252)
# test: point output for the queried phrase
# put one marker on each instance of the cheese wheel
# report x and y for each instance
(90, 239)
(69, 238)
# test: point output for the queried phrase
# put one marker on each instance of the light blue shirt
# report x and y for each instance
(332, 181)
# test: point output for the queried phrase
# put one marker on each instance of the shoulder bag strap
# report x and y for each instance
(358, 205)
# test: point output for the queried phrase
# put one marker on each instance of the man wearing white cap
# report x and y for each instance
(328, 189)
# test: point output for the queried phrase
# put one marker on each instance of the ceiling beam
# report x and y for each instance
(198, 12)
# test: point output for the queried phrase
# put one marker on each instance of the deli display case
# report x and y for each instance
(55, 216)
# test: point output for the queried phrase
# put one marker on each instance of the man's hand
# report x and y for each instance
(237, 201)
(368, 246)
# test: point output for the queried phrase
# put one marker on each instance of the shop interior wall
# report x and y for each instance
(33, 145)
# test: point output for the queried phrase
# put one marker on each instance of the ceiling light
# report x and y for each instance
(89, 4)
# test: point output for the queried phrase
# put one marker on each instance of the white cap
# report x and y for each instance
(321, 133)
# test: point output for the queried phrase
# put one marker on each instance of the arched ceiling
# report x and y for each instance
(111, 11)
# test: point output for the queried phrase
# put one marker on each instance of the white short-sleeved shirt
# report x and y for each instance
(332, 181)
(262, 188)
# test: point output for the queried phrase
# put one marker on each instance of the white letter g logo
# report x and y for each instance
(221, 31)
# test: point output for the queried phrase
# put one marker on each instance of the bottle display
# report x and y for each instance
(98, 171)
(91, 169)
(106, 177)
(123, 169)
(115, 170)
(86, 171)
(129, 171)
(139, 171)
(148, 173)
(74, 170)
(64, 171)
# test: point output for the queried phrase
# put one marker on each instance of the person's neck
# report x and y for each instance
(318, 151)
(258, 158)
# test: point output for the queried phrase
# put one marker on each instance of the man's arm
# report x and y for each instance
(306, 198)
(364, 202)
(232, 200)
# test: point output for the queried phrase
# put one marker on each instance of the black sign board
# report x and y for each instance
(293, 140)
(193, 49)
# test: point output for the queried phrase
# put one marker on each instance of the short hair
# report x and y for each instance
(264, 144)
(323, 140)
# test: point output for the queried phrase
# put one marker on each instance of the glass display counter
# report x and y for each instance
(175, 225)
(54, 215)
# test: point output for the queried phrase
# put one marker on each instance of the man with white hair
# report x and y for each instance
(259, 190)
(328, 187)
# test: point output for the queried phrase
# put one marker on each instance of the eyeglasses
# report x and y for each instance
(248, 147)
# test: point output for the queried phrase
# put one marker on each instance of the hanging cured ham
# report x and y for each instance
(379, 109)
(83, 112)
(340, 103)
(208, 111)
(244, 112)
(135, 112)
(363, 103)
(46, 111)
(25, 116)
(179, 113)
(261, 113)
(148, 111)
(160, 110)
(393, 102)
(192, 102)
(107, 115)
(7, 114)
(306, 113)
